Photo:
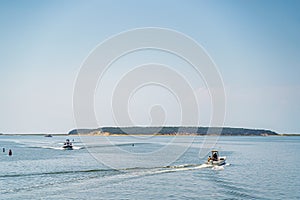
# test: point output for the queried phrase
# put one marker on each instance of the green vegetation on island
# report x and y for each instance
(201, 131)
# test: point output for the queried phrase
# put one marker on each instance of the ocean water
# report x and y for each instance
(257, 168)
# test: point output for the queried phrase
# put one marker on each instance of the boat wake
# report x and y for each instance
(128, 171)
(107, 175)
(218, 168)
(183, 168)
(55, 147)
(171, 169)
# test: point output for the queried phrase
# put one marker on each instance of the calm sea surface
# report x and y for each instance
(257, 168)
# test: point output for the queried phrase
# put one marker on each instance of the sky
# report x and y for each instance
(254, 44)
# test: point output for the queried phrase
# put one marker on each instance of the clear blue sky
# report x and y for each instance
(255, 44)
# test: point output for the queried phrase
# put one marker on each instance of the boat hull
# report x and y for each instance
(68, 147)
(221, 161)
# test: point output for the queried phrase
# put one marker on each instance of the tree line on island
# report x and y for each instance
(226, 131)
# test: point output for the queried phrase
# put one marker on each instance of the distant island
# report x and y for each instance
(201, 131)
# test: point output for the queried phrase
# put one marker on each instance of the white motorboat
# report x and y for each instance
(68, 145)
(216, 159)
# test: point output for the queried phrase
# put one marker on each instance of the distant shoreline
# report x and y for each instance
(162, 131)
(87, 135)
(174, 130)
(290, 134)
(211, 135)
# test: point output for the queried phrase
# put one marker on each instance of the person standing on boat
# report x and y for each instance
(209, 158)
(215, 157)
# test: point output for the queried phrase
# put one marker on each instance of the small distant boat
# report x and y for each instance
(68, 145)
(48, 135)
(216, 159)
